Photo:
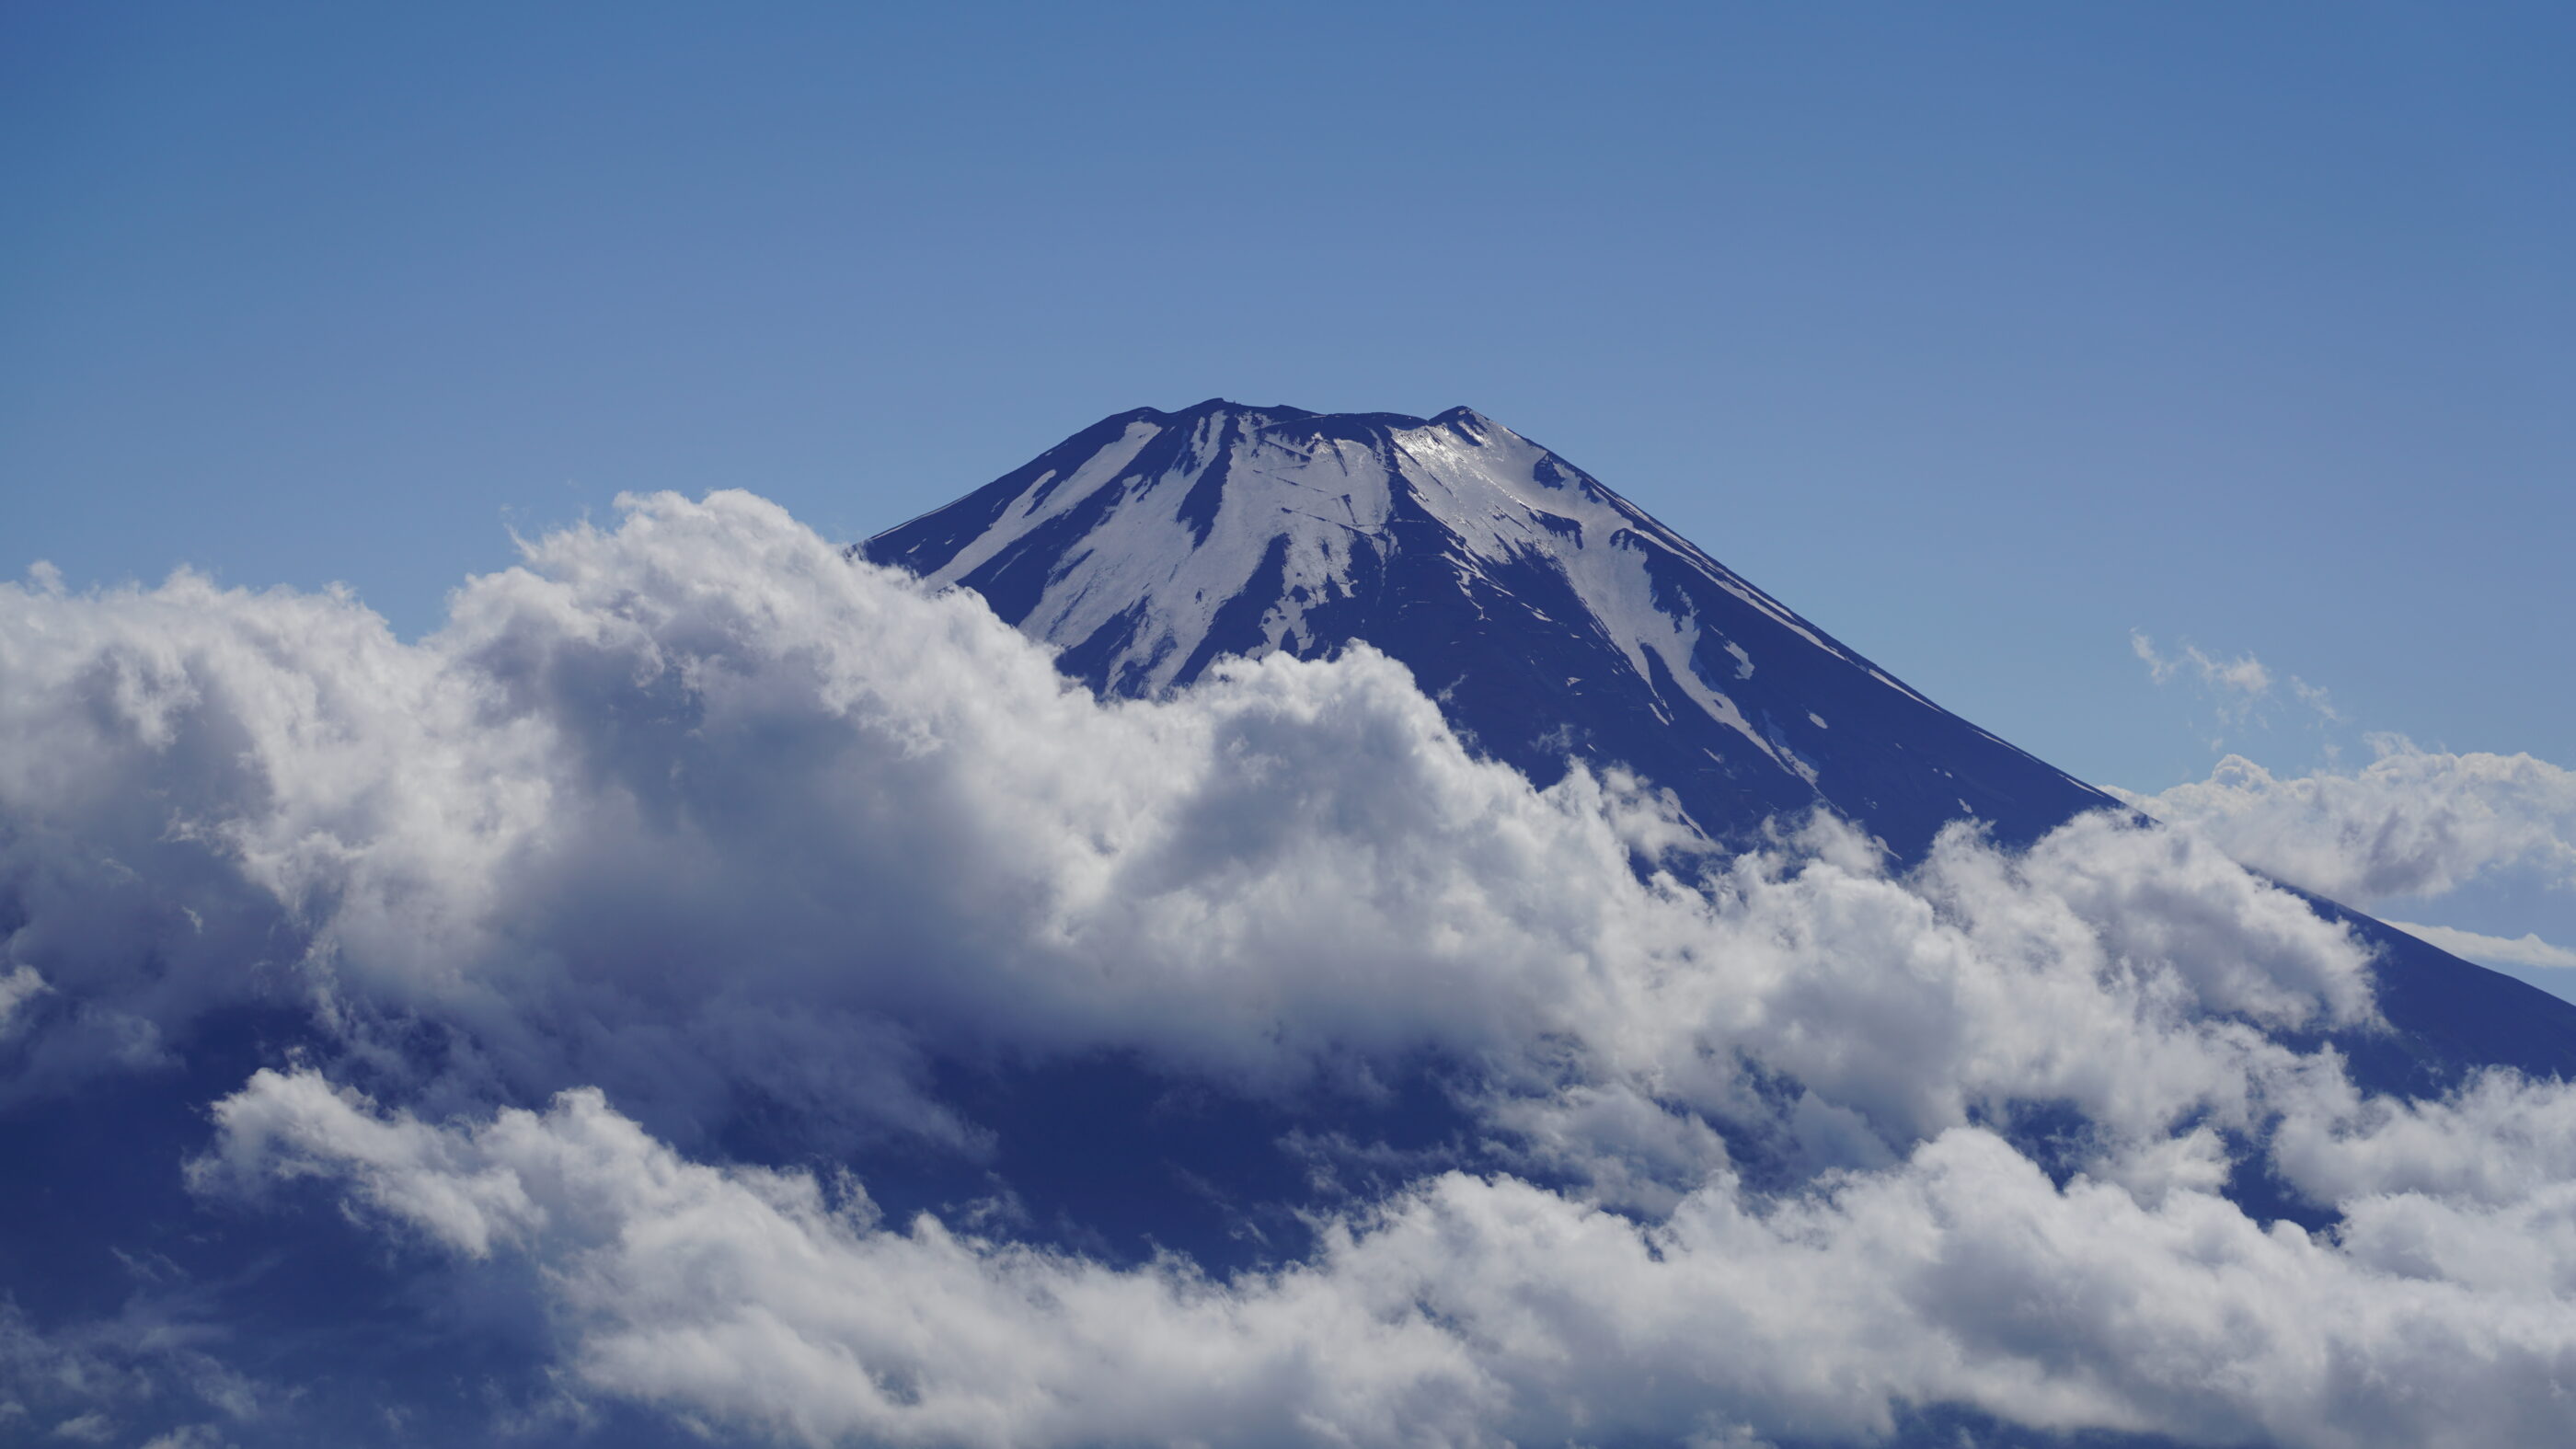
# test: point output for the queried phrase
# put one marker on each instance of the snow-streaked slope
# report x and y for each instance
(1550, 617)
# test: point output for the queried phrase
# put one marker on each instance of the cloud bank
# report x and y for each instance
(1485, 1310)
(693, 818)
(698, 810)
(2412, 822)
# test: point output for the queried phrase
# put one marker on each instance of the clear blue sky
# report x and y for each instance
(1983, 334)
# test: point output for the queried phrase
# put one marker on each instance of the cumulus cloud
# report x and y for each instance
(2413, 822)
(697, 817)
(701, 812)
(1486, 1310)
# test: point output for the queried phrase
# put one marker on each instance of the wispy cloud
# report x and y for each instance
(2243, 676)
(118, 1379)
(2524, 950)
(2239, 692)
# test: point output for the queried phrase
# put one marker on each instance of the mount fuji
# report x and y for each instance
(716, 991)
(1555, 622)
(1552, 619)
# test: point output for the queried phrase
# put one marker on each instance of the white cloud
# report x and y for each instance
(17, 988)
(1486, 1310)
(2525, 950)
(188, 1436)
(2243, 676)
(2411, 823)
(754, 1295)
(696, 808)
(88, 1381)
(2239, 692)
(700, 814)
(2316, 698)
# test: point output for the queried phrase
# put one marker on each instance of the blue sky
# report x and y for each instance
(1984, 335)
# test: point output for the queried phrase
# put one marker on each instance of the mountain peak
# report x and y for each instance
(1222, 407)
(1267, 415)
(1552, 619)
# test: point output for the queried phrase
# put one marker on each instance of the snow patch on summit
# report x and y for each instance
(1554, 622)
(1300, 511)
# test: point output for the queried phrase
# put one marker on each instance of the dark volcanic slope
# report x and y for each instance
(1550, 617)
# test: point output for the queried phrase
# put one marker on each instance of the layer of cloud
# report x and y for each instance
(698, 811)
(2524, 950)
(697, 817)
(2413, 822)
(1485, 1310)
